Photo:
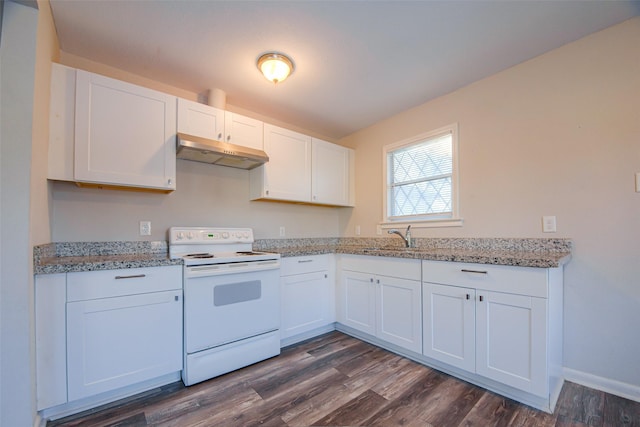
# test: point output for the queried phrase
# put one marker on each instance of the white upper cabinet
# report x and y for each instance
(287, 174)
(242, 130)
(199, 119)
(332, 173)
(124, 134)
(205, 121)
(303, 169)
(107, 132)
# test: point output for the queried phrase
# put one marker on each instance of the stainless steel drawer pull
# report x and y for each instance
(464, 270)
(133, 276)
(300, 261)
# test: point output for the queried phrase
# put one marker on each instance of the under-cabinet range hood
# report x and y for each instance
(198, 149)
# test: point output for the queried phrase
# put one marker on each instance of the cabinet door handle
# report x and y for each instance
(481, 298)
(228, 137)
(133, 276)
(304, 260)
(464, 270)
(220, 136)
(468, 296)
(326, 276)
(371, 280)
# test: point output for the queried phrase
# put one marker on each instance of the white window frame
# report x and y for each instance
(446, 220)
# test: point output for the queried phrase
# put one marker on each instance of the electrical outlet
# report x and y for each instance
(549, 224)
(282, 232)
(145, 228)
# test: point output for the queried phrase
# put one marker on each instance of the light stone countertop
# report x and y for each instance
(89, 256)
(522, 252)
(92, 256)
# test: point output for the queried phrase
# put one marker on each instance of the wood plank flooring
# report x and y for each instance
(337, 380)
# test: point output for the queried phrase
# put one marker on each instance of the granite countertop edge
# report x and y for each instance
(92, 256)
(538, 259)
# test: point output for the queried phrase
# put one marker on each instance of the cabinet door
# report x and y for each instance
(306, 303)
(124, 134)
(115, 342)
(358, 301)
(242, 130)
(511, 340)
(199, 119)
(287, 175)
(331, 173)
(449, 325)
(398, 312)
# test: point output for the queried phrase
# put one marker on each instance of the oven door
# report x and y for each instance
(224, 308)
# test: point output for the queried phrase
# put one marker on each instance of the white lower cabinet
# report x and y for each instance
(101, 331)
(307, 292)
(498, 322)
(449, 330)
(382, 297)
(116, 342)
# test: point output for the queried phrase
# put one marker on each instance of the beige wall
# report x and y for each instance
(47, 50)
(557, 135)
(17, 98)
(206, 196)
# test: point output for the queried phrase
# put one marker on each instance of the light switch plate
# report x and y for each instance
(549, 224)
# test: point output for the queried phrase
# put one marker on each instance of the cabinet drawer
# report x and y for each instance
(304, 264)
(88, 285)
(502, 278)
(382, 266)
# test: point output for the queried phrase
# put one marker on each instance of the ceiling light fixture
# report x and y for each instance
(276, 67)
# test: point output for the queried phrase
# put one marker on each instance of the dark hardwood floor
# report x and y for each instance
(336, 380)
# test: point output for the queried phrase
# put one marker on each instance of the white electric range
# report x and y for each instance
(231, 300)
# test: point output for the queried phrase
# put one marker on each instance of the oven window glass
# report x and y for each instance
(236, 292)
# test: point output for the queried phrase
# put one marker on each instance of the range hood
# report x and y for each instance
(198, 149)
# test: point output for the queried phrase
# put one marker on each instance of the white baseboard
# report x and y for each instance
(628, 391)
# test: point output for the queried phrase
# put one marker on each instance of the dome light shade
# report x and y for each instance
(275, 67)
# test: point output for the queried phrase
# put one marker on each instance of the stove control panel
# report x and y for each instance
(203, 235)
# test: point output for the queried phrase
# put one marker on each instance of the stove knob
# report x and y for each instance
(190, 235)
(225, 235)
(180, 235)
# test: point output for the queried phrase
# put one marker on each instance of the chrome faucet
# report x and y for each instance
(406, 237)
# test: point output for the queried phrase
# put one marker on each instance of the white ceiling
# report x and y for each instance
(357, 62)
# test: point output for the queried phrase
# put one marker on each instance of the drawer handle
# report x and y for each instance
(464, 270)
(481, 298)
(468, 296)
(133, 276)
(300, 261)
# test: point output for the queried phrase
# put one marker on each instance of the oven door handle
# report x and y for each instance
(231, 268)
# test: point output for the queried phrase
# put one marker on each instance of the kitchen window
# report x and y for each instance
(421, 180)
